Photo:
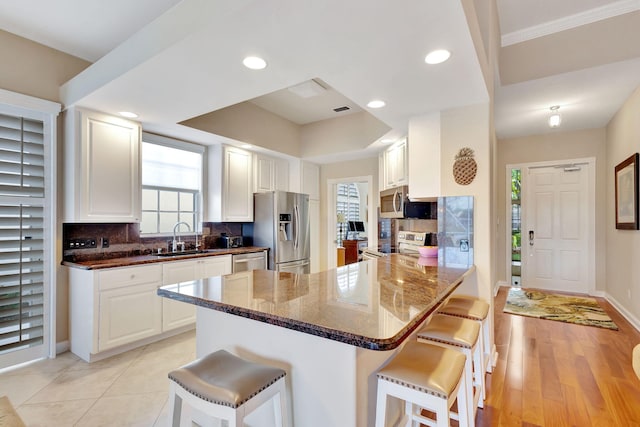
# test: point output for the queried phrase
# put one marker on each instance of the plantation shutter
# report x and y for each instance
(22, 192)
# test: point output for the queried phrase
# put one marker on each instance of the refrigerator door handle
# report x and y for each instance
(296, 225)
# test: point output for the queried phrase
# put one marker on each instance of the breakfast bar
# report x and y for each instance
(331, 331)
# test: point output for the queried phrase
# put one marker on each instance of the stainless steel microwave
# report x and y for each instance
(392, 202)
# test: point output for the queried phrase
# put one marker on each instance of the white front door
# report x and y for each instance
(555, 235)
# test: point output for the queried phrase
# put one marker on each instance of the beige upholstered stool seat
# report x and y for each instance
(451, 330)
(467, 307)
(8, 416)
(222, 379)
(428, 376)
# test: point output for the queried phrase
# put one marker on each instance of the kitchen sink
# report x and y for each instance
(187, 252)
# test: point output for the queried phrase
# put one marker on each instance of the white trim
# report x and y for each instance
(166, 141)
(19, 100)
(635, 322)
(572, 21)
(331, 214)
(590, 162)
(63, 347)
(500, 284)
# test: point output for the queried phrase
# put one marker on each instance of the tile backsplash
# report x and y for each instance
(125, 239)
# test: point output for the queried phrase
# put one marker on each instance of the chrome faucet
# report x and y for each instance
(175, 243)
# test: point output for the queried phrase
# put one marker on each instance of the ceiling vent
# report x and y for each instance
(343, 108)
(308, 89)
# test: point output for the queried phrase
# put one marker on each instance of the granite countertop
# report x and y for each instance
(373, 304)
(95, 264)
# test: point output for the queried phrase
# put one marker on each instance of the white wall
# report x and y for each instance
(622, 246)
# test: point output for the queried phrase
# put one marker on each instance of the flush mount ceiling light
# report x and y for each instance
(376, 103)
(437, 56)
(554, 118)
(254, 62)
(128, 114)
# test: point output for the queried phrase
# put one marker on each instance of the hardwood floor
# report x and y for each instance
(552, 373)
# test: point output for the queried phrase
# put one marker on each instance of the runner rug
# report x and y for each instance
(563, 308)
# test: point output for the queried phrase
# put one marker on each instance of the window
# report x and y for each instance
(171, 184)
(25, 241)
(347, 204)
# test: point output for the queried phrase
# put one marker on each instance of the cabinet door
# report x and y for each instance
(396, 165)
(264, 174)
(179, 271)
(110, 165)
(237, 186)
(214, 266)
(129, 314)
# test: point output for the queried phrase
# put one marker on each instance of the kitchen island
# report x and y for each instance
(331, 331)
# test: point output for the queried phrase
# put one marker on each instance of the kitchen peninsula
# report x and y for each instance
(330, 331)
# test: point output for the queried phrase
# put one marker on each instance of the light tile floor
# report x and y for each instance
(130, 389)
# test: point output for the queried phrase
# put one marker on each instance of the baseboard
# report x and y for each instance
(62, 346)
(496, 288)
(623, 311)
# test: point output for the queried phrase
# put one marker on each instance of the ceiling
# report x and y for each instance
(171, 60)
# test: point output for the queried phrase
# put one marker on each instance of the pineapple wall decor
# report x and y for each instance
(465, 167)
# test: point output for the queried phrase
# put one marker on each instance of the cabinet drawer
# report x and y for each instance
(119, 277)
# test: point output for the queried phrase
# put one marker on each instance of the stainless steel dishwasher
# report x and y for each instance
(250, 261)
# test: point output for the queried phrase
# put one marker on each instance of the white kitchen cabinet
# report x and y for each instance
(395, 165)
(102, 168)
(270, 174)
(176, 314)
(129, 314)
(230, 185)
(425, 137)
(311, 180)
(113, 307)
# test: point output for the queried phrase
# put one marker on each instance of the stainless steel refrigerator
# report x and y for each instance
(281, 223)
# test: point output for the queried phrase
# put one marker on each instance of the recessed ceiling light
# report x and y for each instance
(376, 103)
(437, 56)
(254, 62)
(554, 118)
(128, 114)
(246, 146)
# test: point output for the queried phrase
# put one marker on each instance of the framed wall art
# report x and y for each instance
(627, 194)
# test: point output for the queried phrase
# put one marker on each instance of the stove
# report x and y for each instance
(409, 241)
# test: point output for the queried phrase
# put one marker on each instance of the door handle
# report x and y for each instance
(531, 236)
(395, 196)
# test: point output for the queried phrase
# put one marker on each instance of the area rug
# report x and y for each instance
(563, 308)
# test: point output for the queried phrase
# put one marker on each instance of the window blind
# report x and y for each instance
(22, 191)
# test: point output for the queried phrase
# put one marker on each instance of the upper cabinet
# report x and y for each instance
(270, 173)
(395, 170)
(230, 185)
(102, 167)
(425, 160)
(311, 180)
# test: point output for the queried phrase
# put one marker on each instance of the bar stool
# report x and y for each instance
(429, 377)
(227, 387)
(473, 308)
(463, 335)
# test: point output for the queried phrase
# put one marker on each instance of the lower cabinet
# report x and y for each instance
(118, 307)
(176, 314)
(129, 314)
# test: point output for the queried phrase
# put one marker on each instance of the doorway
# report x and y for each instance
(350, 201)
(553, 239)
